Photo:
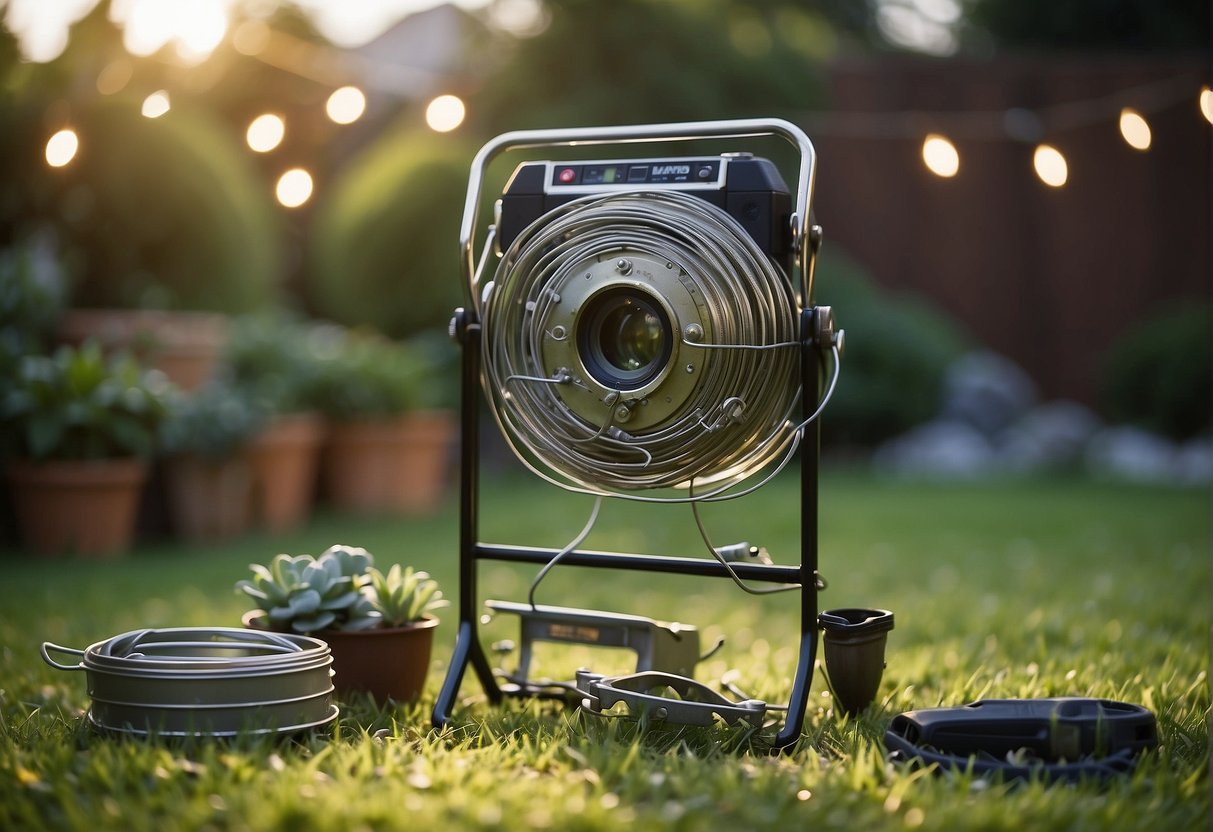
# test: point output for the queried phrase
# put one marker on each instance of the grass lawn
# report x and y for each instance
(1009, 589)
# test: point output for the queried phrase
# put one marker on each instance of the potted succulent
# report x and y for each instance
(79, 428)
(387, 451)
(379, 626)
(208, 475)
(270, 357)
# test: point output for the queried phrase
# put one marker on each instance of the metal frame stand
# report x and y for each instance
(468, 647)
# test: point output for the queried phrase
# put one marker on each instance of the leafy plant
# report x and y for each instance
(79, 404)
(340, 590)
(272, 356)
(402, 595)
(363, 375)
(213, 421)
(32, 297)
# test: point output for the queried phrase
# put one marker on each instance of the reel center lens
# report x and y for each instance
(626, 339)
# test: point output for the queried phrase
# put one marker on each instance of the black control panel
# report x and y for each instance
(667, 172)
(748, 188)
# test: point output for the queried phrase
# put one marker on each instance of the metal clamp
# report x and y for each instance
(698, 704)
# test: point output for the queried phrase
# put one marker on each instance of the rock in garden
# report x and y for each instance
(987, 391)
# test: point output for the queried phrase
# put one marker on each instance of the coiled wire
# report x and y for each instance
(739, 415)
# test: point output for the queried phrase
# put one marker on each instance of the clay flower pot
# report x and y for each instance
(389, 663)
(87, 507)
(284, 458)
(395, 464)
(209, 499)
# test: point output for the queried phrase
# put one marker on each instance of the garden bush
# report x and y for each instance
(385, 242)
(167, 213)
(1159, 374)
(898, 348)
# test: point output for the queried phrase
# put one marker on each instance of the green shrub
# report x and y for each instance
(898, 348)
(272, 357)
(1159, 375)
(385, 243)
(167, 213)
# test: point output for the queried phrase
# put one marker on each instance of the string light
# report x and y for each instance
(61, 148)
(1050, 165)
(294, 188)
(156, 104)
(265, 132)
(1135, 129)
(346, 105)
(940, 156)
(445, 113)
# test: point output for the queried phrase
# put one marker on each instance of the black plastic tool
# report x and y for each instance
(1061, 738)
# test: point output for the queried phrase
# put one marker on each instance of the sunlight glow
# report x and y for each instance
(940, 156)
(1135, 129)
(156, 104)
(61, 148)
(194, 27)
(265, 132)
(294, 187)
(445, 113)
(346, 105)
(1050, 166)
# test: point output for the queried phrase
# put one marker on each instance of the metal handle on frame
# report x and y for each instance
(631, 134)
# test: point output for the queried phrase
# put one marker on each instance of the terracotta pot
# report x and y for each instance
(209, 499)
(284, 458)
(390, 663)
(427, 459)
(388, 465)
(87, 507)
(185, 346)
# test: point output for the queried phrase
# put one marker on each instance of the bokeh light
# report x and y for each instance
(445, 113)
(294, 187)
(346, 105)
(61, 148)
(1135, 129)
(1050, 166)
(265, 132)
(195, 27)
(156, 104)
(940, 156)
(1206, 104)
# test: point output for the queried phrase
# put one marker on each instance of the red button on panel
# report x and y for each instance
(567, 175)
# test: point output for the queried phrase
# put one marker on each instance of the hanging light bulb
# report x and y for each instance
(1050, 165)
(61, 148)
(1135, 129)
(940, 156)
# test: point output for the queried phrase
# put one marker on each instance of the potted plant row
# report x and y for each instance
(386, 450)
(269, 359)
(379, 626)
(208, 473)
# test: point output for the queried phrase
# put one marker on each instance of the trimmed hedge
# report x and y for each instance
(898, 348)
(1159, 375)
(385, 241)
(167, 213)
